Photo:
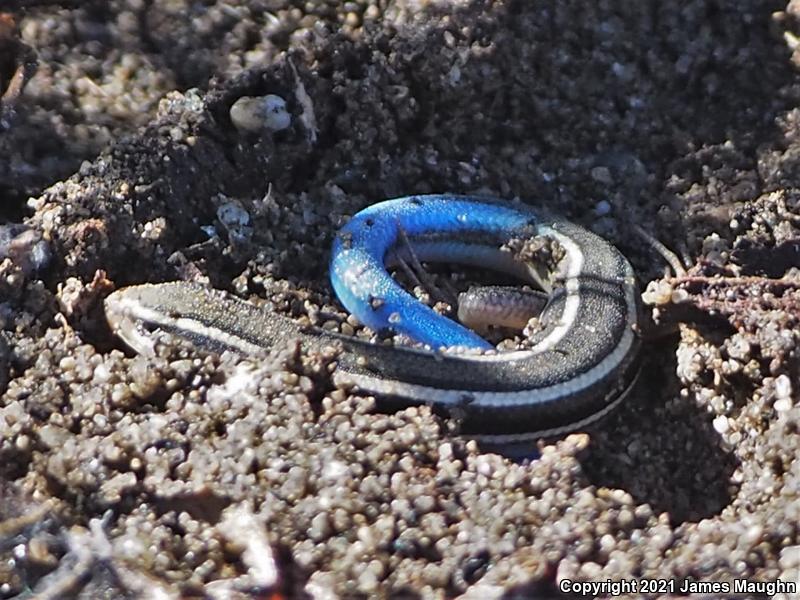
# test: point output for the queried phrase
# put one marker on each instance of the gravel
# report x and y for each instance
(191, 474)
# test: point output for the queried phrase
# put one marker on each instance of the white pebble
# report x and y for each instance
(721, 424)
(783, 387)
(257, 113)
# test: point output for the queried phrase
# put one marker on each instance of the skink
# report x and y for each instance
(509, 307)
(579, 367)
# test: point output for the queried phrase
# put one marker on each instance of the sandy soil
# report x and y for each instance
(193, 475)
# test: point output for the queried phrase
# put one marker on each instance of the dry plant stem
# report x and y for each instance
(783, 283)
(422, 278)
(668, 255)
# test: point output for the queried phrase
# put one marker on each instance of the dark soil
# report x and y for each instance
(116, 472)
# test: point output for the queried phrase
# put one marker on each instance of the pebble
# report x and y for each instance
(255, 114)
